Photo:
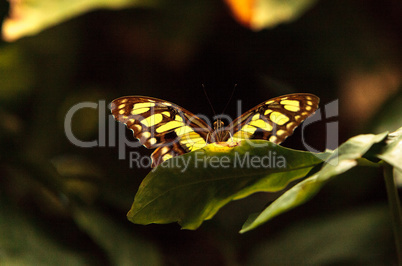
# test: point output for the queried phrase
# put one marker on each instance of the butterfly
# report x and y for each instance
(172, 130)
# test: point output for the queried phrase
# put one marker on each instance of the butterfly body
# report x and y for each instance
(220, 133)
(172, 130)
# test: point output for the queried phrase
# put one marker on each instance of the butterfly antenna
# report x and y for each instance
(206, 95)
(231, 96)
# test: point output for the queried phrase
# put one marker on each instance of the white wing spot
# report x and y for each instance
(145, 134)
(280, 132)
(152, 141)
(290, 125)
(165, 149)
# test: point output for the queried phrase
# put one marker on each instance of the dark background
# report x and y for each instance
(65, 204)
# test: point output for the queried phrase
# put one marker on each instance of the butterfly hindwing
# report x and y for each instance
(275, 119)
(159, 124)
(166, 152)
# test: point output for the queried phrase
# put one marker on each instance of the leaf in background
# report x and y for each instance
(23, 242)
(80, 176)
(214, 176)
(389, 116)
(259, 14)
(121, 246)
(352, 237)
(29, 17)
(17, 72)
(343, 159)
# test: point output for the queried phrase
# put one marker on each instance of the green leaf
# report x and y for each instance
(344, 158)
(31, 17)
(193, 187)
(392, 153)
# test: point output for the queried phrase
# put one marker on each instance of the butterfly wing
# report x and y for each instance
(161, 125)
(275, 119)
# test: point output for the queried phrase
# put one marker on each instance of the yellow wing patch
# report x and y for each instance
(278, 118)
(137, 111)
(152, 120)
(267, 112)
(261, 124)
(169, 126)
(292, 108)
(143, 105)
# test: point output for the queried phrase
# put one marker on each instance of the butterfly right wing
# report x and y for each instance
(161, 125)
(274, 119)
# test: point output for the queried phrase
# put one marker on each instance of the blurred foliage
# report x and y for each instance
(333, 240)
(31, 17)
(64, 204)
(259, 14)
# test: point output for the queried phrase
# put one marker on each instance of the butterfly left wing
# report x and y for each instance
(275, 119)
(161, 125)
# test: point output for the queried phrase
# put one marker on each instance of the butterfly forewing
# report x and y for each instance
(275, 119)
(159, 124)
